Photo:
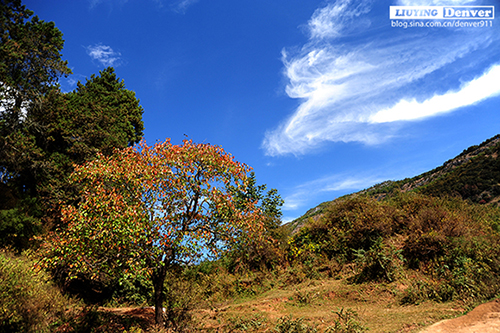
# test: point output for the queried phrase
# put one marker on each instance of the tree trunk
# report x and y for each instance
(159, 275)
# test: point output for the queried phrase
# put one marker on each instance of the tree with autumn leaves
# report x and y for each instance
(151, 208)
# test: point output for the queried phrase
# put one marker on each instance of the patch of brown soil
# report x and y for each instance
(483, 319)
(147, 314)
(272, 307)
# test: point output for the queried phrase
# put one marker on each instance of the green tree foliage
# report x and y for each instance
(66, 129)
(99, 116)
(44, 132)
(103, 115)
(30, 58)
(30, 65)
(266, 252)
(153, 208)
(17, 226)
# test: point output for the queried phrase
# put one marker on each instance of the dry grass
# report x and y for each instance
(29, 302)
(317, 302)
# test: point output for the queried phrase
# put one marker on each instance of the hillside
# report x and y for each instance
(473, 175)
(391, 258)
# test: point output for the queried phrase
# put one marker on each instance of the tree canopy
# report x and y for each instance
(30, 66)
(30, 58)
(63, 129)
(44, 132)
(152, 208)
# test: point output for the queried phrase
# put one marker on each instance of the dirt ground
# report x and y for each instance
(147, 314)
(483, 319)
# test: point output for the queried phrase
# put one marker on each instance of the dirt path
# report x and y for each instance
(147, 313)
(483, 319)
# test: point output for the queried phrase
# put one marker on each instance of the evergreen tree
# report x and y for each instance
(30, 60)
(44, 132)
(30, 65)
(99, 116)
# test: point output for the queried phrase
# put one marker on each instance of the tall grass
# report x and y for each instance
(29, 302)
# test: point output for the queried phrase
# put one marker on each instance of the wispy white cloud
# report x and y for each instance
(434, 2)
(355, 74)
(301, 195)
(182, 5)
(488, 85)
(104, 54)
(334, 20)
(110, 3)
(178, 6)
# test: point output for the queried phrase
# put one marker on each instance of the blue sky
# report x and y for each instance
(321, 98)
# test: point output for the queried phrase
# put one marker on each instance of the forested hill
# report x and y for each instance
(472, 175)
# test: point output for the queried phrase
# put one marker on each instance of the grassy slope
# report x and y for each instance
(474, 175)
(317, 303)
(315, 288)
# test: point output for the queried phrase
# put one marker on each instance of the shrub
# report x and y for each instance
(132, 289)
(29, 302)
(182, 292)
(347, 322)
(262, 256)
(212, 282)
(289, 325)
(454, 243)
(379, 263)
(423, 247)
(418, 291)
(349, 224)
(17, 228)
(293, 274)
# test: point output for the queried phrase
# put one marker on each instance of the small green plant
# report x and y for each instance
(293, 275)
(347, 322)
(239, 324)
(132, 289)
(302, 298)
(420, 291)
(134, 329)
(289, 325)
(379, 263)
(244, 287)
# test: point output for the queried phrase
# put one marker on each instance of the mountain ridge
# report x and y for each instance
(473, 175)
(449, 166)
